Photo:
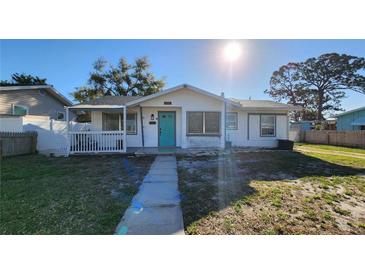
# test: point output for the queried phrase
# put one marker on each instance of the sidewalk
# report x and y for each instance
(155, 209)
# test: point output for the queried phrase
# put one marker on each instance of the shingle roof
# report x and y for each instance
(110, 100)
(117, 101)
(49, 88)
(350, 111)
(261, 104)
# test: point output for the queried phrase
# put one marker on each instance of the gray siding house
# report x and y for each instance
(33, 100)
(351, 120)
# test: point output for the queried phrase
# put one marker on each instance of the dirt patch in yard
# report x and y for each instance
(270, 193)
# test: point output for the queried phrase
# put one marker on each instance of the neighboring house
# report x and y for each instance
(301, 125)
(33, 100)
(183, 116)
(351, 120)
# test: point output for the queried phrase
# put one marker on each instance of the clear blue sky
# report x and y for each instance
(67, 63)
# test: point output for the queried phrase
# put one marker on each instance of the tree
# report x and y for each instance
(286, 85)
(318, 84)
(24, 80)
(329, 76)
(124, 79)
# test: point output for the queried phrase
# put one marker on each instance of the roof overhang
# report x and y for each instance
(170, 90)
(95, 107)
(350, 111)
(49, 88)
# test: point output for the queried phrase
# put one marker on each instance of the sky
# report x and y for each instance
(67, 63)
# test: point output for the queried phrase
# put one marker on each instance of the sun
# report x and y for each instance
(232, 51)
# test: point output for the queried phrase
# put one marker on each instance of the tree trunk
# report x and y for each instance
(320, 105)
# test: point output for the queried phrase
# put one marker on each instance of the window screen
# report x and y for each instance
(200, 122)
(212, 122)
(232, 120)
(110, 121)
(131, 123)
(267, 125)
(195, 122)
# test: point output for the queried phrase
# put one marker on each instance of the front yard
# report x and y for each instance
(76, 195)
(273, 192)
(313, 190)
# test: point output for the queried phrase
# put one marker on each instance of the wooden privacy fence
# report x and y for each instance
(17, 143)
(336, 138)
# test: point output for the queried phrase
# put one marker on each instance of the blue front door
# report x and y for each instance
(166, 135)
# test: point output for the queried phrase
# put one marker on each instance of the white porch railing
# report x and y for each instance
(96, 141)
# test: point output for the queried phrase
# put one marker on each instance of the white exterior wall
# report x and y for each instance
(248, 132)
(185, 100)
(11, 124)
(151, 131)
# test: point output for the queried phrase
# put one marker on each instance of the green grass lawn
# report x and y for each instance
(75, 195)
(273, 192)
(331, 148)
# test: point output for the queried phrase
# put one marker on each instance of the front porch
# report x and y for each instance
(94, 141)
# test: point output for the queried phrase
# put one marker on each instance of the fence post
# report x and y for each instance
(34, 142)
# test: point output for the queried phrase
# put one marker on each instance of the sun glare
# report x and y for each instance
(232, 51)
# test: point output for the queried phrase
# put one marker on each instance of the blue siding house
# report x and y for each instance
(351, 120)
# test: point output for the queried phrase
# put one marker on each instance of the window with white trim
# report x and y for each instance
(232, 120)
(20, 110)
(267, 125)
(131, 123)
(203, 123)
(114, 121)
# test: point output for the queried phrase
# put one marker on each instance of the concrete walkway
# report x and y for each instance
(155, 209)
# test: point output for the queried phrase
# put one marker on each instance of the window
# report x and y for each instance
(201, 123)
(131, 123)
(267, 125)
(20, 110)
(60, 115)
(231, 120)
(111, 121)
(195, 122)
(114, 121)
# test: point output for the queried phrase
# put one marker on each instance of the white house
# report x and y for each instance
(183, 116)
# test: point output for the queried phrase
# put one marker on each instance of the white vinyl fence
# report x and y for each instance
(52, 134)
(11, 124)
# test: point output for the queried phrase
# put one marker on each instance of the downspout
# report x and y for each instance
(224, 120)
(142, 133)
(68, 132)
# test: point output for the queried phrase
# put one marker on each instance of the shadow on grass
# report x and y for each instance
(211, 183)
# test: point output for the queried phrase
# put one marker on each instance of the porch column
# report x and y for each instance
(125, 129)
(68, 131)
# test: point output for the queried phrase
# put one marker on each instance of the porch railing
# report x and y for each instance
(96, 141)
